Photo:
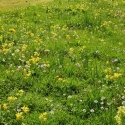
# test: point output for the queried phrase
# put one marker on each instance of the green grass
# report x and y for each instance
(68, 60)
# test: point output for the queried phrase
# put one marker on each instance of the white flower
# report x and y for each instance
(123, 97)
(13, 54)
(95, 101)
(123, 103)
(51, 112)
(101, 108)
(102, 103)
(84, 110)
(69, 97)
(102, 98)
(92, 110)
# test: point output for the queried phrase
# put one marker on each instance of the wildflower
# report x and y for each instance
(19, 116)
(108, 70)
(25, 109)
(123, 103)
(51, 112)
(36, 54)
(24, 47)
(68, 37)
(11, 98)
(69, 97)
(118, 120)
(95, 101)
(21, 91)
(84, 110)
(60, 79)
(42, 117)
(120, 114)
(102, 98)
(71, 49)
(4, 106)
(12, 30)
(117, 75)
(92, 110)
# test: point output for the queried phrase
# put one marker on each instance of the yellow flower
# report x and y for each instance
(108, 70)
(107, 76)
(120, 114)
(19, 116)
(68, 37)
(118, 120)
(4, 106)
(12, 30)
(20, 92)
(117, 75)
(71, 50)
(11, 98)
(42, 117)
(60, 79)
(24, 47)
(25, 109)
(36, 54)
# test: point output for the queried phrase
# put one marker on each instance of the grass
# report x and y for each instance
(12, 4)
(62, 63)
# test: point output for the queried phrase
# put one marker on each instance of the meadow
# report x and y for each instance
(63, 63)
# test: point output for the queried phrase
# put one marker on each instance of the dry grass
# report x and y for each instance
(6, 5)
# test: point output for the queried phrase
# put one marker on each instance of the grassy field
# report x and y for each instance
(13, 4)
(63, 63)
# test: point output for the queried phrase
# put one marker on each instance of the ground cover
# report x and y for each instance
(62, 63)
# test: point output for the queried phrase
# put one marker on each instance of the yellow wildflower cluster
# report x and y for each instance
(108, 70)
(6, 47)
(42, 117)
(54, 34)
(19, 116)
(25, 109)
(3, 106)
(34, 60)
(68, 37)
(120, 115)
(12, 30)
(64, 28)
(71, 50)
(60, 79)
(11, 98)
(114, 76)
(20, 92)
(24, 47)
(36, 54)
